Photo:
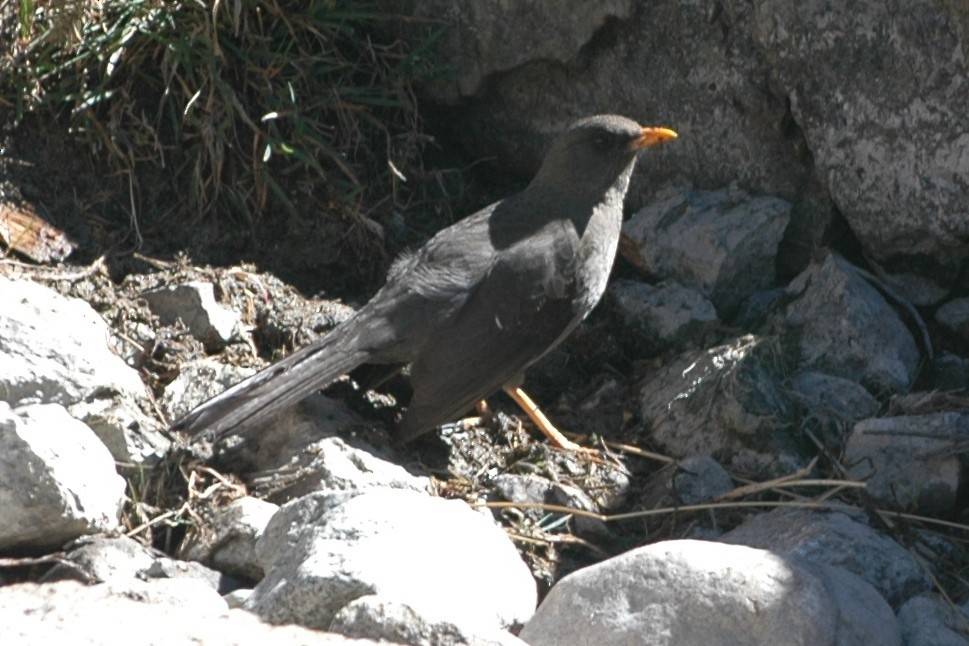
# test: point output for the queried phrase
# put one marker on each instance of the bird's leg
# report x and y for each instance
(538, 417)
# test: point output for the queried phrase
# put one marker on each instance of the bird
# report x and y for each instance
(478, 303)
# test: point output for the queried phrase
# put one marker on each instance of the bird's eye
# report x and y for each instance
(602, 140)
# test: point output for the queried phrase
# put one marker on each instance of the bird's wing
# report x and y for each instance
(518, 310)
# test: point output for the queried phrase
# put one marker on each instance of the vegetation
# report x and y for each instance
(236, 108)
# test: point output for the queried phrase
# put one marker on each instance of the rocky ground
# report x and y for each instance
(809, 435)
(776, 382)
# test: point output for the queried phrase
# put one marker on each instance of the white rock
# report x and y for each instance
(374, 617)
(194, 304)
(130, 435)
(55, 349)
(687, 593)
(57, 480)
(322, 551)
(835, 538)
(155, 613)
(103, 558)
(330, 464)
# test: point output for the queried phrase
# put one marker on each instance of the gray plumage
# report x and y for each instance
(479, 303)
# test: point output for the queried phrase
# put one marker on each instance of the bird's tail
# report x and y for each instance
(274, 388)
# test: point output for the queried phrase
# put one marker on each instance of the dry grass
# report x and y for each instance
(236, 109)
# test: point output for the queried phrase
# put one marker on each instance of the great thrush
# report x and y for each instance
(480, 302)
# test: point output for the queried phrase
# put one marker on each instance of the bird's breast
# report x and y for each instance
(597, 251)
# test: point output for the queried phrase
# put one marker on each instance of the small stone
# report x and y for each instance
(954, 317)
(194, 304)
(910, 460)
(662, 317)
(721, 243)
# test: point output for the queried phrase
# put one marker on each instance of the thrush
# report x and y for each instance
(480, 302)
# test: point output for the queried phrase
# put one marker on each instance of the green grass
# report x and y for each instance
(238, 108)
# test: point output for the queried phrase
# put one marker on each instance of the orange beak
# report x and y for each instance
(652, 137)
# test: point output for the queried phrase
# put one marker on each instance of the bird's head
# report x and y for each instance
(595, 153)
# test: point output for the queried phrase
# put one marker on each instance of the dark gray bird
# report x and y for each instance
(480, 302)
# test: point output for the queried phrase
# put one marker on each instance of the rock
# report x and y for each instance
(102, 558)
(197, 382)
(297, 451)
(377, 618)
(481, 32)
(122, 561)
(46, 360)
(949, 372)
(833, 397)
(844, 327)
(835, 538)
(164, 567)
(57, 480)
(721, 243)
(659, 318)
(324, 550)
(697, 592)
(238, 597)
(699, 478)
(863, 617)
(910, 461)
(536, 489)
(157, 613)
(692, 480)
(227, 539)
(724, 402)
(131, 436)
(954, 317)
(694, 66)
(927, 620)
(330, 464)
(756, 309)
(194, 304)
(891, 145)
(830, 405)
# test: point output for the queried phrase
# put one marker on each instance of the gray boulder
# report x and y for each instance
(721, 243)
(928, 620)
(687, 593)
(55, 350)
(325, 550)
(661, 317)
(57, 480)
(844, 327)
(838, 539)
(724, 402)
(889, 144)
(910, 461)
(155, 613)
